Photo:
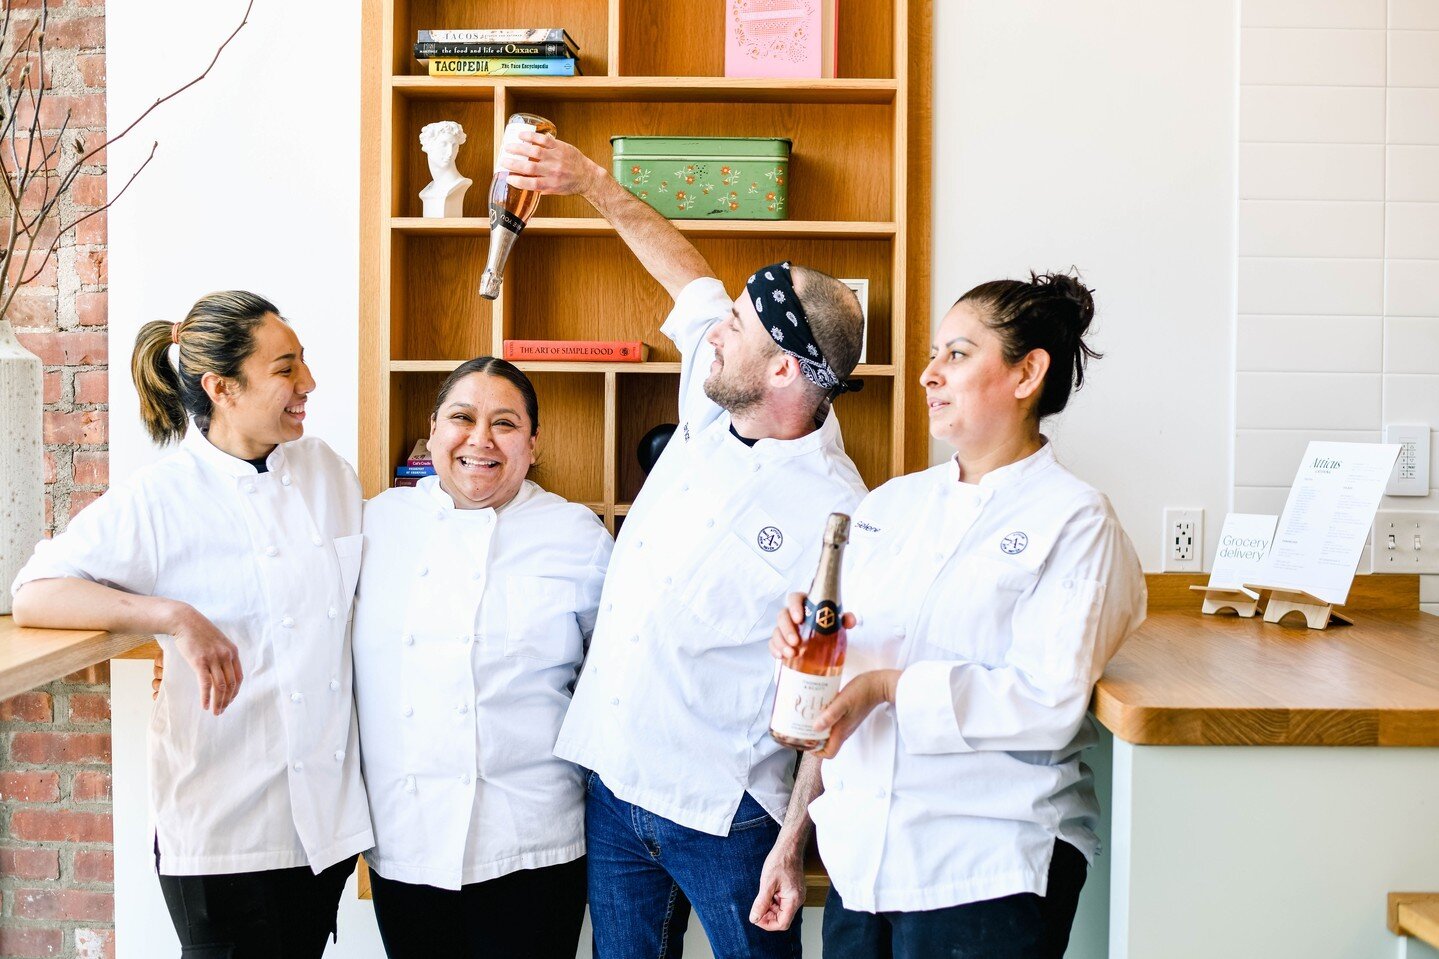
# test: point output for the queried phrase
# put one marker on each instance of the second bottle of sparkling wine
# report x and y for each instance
(510, 207)
(810, 681)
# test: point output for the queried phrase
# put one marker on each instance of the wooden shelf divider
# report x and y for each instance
(649, 89)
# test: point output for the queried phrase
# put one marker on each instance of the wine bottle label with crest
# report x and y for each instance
(502, 219)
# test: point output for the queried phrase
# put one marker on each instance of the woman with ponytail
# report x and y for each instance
(240, 551)
(955, 817)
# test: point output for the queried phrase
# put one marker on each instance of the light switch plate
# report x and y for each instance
(1411, 470)
(1405, 542)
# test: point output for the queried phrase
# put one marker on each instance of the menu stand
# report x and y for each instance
(1317, 613)
(1244, 602)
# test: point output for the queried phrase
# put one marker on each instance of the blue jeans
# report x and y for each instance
(647, 871)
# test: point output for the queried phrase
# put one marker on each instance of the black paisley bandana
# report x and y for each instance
(779, 309)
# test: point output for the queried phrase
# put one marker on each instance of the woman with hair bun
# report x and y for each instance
(240, 551)
(956, 817)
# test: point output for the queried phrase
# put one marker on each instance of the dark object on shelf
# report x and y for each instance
(653, 444)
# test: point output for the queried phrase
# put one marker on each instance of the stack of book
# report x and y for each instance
(547, 52)
(417, 467)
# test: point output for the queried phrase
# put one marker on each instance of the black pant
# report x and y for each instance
(529, 914)
(1022, 926)
(274, 914)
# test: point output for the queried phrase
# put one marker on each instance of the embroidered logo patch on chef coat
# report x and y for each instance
(770, 539)
(1014, 543)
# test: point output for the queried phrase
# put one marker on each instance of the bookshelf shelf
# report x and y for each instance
(859, 201)
(648, 89)
(597, 226)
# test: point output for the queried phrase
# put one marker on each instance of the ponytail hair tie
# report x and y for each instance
(175, 333)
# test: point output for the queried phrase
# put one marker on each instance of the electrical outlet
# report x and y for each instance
(1405, 542)
(1411, 469)
(1183, 541)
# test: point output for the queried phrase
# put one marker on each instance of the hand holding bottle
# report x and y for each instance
(540, 162)
(784, 642)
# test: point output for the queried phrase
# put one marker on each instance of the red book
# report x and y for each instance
(578, 351)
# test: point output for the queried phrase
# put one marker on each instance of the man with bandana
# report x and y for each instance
(687, 790)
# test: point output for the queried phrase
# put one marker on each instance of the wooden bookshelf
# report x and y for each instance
(859, 199)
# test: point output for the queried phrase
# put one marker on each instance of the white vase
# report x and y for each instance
(22, 466)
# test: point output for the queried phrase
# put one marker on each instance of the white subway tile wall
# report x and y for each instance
(1411, 172)
(1338, 235)
(1315, 171)
(1311, 344)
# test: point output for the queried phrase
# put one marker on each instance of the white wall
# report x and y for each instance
(1101, 135)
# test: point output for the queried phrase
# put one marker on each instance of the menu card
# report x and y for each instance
(1327, 518)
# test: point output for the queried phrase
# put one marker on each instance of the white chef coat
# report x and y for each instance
(271, 559)
(1001, 601)
(672, 710)
(470, 628)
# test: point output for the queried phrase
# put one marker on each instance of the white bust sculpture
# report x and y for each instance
(444, 196)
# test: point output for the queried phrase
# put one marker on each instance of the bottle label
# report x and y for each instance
(502, 219)
(824, 618)
(513, 129)
(799, 700)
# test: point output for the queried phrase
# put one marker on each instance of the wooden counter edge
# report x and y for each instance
(1415, 914)
(34, 657)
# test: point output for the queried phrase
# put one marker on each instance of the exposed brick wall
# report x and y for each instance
(56, 857)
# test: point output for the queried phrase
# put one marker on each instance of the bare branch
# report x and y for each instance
(67, 228)
(173, 93)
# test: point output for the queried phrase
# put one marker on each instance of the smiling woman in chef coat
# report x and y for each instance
(240, 550)
(478, 594)
(956, 817)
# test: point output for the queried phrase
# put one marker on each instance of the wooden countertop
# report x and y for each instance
(1186, 679)
(34, 657)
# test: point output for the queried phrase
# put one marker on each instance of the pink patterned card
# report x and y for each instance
(791, 39)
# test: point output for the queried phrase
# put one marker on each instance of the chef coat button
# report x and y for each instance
(296, 697)
(285, 480)
(409, 784)
(938, 554)
(332, 612)
(249, 487)
(271, 551)
(477, 574)
(609, 606)
(755, 467)
(334, 685)
(316, 539)
(462, 708)
(439, 514)
(408, 639)
(466, 639)
(339, 755)
(879, 793)
(669, 581)
(639, 544)
(615, 701)
(684, 487)
(709, 523)
(465, 778)
(839, 785)
(299, 767)
(287, 622)
(409, 710)
(1068, 584)
(424, 570)
(634, 639)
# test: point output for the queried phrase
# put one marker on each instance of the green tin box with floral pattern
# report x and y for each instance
(706, 178)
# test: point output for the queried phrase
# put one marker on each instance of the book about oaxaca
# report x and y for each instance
(786, 39)
(1326, 519)
(503, 67)
(581, 351)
